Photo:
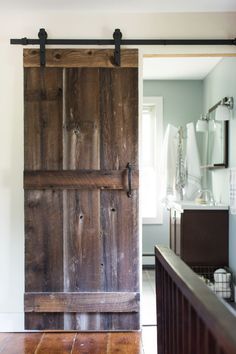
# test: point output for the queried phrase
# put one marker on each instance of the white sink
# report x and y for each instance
(184, 205)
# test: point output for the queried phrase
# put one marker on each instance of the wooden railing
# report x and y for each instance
(191, 319)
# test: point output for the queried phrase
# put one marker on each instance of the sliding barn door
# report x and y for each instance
(81, 227)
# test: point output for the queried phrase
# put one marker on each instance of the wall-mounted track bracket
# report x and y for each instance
(117, 35)
(42, 42)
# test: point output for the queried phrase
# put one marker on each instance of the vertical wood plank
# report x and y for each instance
(202, 337)
(193, 329)
(119, 118)
(43, 150)
(170, 314)
(166, 312)
(83, 262)
(174, 316)
(185, 326)
(44, 267)
(212, 344)
(43, 118)
(179, 322)
(159, 277)
(119, 223)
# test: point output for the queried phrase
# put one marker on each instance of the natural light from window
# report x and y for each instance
(151, 135)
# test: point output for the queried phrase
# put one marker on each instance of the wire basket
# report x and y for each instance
(220, 282)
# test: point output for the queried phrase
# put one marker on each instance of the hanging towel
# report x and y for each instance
(169, 160)
(180, 178)
(193, 183)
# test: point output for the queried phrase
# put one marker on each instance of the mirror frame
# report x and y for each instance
(225, 162)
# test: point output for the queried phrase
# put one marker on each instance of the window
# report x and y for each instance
(151, 143)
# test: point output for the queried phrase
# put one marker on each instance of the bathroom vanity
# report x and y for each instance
(199, 233)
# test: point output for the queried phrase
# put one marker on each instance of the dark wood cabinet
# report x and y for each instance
(200, 236)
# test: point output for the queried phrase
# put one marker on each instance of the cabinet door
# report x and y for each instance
(205, 237)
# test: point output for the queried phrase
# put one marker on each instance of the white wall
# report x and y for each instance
(63, 25)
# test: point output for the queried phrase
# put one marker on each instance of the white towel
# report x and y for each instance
(192, 164)
(180, 178)
(169, 159)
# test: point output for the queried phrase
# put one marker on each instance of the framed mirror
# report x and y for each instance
(217, 154)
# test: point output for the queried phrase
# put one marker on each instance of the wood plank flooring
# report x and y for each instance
(71, 343)
(148, 313)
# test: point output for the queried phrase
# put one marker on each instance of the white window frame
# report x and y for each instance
(157, 103)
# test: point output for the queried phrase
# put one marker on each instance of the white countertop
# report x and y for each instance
(191, 205)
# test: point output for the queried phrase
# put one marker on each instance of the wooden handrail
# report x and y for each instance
(175, 278)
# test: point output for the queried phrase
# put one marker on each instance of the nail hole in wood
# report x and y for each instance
(76, 131)
(113, 209)
(81, 216)
(58, 56)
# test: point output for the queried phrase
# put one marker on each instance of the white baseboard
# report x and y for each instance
(11, 322)
(148, 260)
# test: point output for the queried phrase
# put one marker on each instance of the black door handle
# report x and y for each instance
(129, 167)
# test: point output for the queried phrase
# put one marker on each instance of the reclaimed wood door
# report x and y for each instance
(81, 228)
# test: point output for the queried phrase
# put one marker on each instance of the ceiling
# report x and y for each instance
(134, 6)
(187, 68)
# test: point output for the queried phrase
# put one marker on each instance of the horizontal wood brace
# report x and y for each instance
(82, 302)
(77, 58)
(83, 179)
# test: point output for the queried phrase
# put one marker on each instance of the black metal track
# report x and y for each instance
(117, 41)
(28, 41)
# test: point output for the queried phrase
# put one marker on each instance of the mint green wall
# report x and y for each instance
(182, 100)
(219, 83)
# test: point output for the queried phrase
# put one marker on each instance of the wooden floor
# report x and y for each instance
(92, 343)
(148, 313)
(71, 343)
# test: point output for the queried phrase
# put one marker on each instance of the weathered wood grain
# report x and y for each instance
(81, 139)
(72, 343)
(108, 343)
(43, 118)
(79, 179)
(119, 118)
(43, 209)
(43, 251)
(124, 343)
(94, 343)
(56, 343)
(81, 130)
(119, 214)
(82, 302)
(69, 58)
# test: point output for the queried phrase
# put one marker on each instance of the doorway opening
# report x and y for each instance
(178, 90)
